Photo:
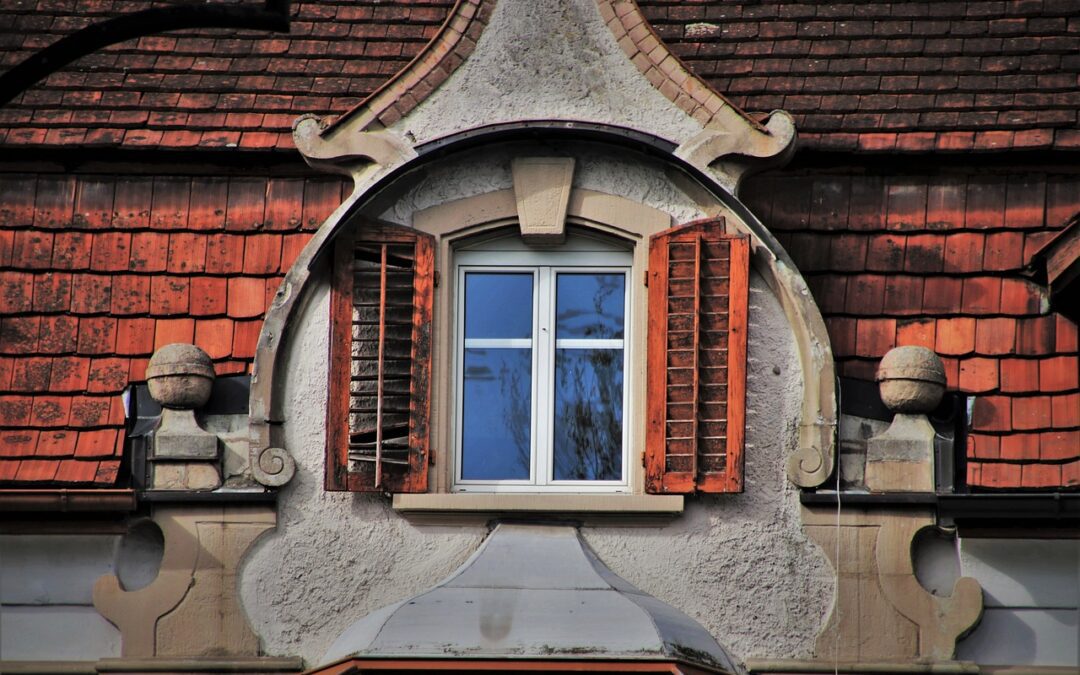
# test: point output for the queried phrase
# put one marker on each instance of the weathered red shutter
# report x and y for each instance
(696, 377)
(380, 360)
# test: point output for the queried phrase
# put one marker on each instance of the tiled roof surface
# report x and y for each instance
(939, 261)
(209, 87)
(96, 271)
(872, 76)
(877, 76)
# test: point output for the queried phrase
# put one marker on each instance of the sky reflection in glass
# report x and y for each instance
(498, 305)
(495, 418)
(590, 306)
(588, 414)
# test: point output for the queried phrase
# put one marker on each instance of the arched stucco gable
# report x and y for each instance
(811, 463)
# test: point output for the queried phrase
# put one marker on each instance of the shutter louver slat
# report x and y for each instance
(381, 304)
(696, 359)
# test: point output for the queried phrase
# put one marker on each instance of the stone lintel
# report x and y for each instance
(542, 191)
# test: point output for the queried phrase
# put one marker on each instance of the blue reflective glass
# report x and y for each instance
(498, 305)
(496, 414)
(588, 414)
(590, 306)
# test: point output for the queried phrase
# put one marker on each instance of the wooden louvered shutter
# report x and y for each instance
(380, 360)
(696, 377)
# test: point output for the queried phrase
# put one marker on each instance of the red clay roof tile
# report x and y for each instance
(262, 254)
(91, 293)
(1059, 445)
(1040, 475)
(903, 295)
(246, 297)
(245, 338)
(130, 295)
(215, 337)
(169, 296)
(978, 375)
(1059, 373)
(135, 336)
(1002, 362)
(36, 470)
(69, 373)
(71, 250)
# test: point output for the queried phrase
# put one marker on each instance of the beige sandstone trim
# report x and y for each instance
(882, 614)
(542, 190)
(191, 609)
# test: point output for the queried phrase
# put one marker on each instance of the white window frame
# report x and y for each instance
(545, 265)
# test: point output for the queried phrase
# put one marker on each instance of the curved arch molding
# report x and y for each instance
(810, 464)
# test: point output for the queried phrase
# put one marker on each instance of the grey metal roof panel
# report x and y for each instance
(532, 591)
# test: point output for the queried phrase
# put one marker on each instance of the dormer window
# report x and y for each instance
(541, 366)
(611, 361)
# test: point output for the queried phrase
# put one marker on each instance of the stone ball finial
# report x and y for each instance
(180, 376)
(911, 380)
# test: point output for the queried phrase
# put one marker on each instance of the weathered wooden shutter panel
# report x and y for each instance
(696, 360)
(377, 432)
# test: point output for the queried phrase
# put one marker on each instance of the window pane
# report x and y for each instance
(498, 305)
(496, 411)
(588, 414)
(590, 306)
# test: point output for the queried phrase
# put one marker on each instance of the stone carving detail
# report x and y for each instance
(542, 192)
(191, 609)
(184, 456)
(882, 612)
(273, 467)
(912, 381)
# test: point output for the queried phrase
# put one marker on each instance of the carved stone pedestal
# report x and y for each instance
(882, 612)
(191, 609)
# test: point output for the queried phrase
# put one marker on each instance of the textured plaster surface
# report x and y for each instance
(334, 556)
(546, 59)
(596, 167)
(739, 564)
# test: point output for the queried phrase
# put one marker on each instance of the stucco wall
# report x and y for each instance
(551, 59)
(739, 564)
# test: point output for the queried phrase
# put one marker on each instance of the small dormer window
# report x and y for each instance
(543, 351)
(541, 367)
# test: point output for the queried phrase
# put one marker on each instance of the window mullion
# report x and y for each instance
(544, 344)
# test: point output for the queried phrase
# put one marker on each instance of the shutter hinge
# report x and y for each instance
(431, 457)
(646, 275)
(435, 279)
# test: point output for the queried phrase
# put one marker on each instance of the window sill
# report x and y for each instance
(455, 506)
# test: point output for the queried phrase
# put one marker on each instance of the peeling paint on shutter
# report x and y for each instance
(696, 360)
(381, 304)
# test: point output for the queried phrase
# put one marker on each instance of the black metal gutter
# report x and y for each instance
(984, 508)
(65, 500)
